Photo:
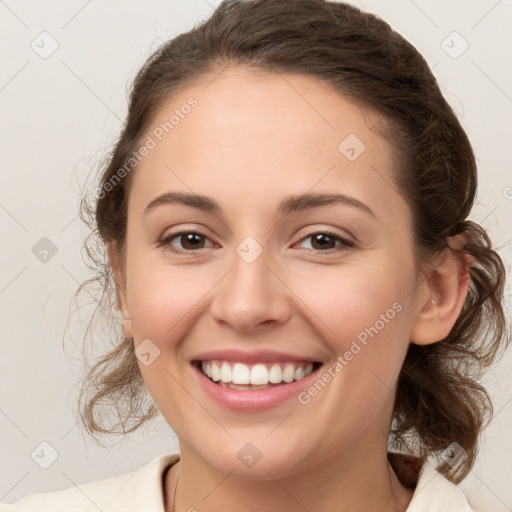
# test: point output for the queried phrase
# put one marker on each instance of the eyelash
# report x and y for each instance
(345, 244)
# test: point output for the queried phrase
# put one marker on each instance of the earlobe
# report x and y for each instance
(115, 265)
(127, 328)
(443, 295)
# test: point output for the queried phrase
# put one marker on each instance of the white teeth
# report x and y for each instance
(255, 375)
(225, 372)
(215, 372)
(259, 374)
(207, 369)
(275, 375)
(299, 373)
(240, 374)
(288, 372)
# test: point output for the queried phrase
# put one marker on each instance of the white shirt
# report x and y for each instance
(142, 491)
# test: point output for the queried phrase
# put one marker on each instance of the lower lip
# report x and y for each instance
(253, 400)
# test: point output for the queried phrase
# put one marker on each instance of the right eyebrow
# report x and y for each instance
(196, 201)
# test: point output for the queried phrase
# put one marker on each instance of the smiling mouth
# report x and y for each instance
(236, 375)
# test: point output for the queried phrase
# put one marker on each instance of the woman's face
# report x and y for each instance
(264, 277)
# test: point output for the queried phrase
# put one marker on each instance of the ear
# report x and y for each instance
(118, 271)
(442, 295)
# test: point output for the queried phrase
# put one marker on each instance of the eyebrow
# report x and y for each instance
(289, 204)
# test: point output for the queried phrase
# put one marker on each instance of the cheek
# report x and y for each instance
(352, 297)
(162, 298)
(364, 309)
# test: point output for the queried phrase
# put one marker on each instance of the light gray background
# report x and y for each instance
(58, 116)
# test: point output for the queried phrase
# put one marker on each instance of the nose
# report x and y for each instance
(251, 295)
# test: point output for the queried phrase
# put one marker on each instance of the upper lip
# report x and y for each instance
(258, 356)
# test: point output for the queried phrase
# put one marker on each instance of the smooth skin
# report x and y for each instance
(253, 139)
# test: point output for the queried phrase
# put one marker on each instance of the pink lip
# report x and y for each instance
(247, 401)
(259, 356)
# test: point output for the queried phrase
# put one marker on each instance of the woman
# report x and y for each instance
(302, 294)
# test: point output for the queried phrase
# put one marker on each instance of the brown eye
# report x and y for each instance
(325, 241)
(189, 240)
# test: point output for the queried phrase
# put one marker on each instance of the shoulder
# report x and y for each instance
(137, 490)
(433, 492)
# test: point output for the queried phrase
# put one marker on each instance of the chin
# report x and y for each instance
(247, 462)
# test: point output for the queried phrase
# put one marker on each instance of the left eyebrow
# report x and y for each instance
(288, 205)
(307, 201)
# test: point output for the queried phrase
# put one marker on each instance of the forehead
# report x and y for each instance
(265, 135)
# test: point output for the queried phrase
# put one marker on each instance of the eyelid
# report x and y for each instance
(344, 235)
(186, 228)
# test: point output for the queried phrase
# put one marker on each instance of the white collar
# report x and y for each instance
(143, 490)
(433, 491)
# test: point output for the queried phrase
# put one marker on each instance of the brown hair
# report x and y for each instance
(438, 399)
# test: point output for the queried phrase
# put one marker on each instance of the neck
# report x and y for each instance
(361, 482)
